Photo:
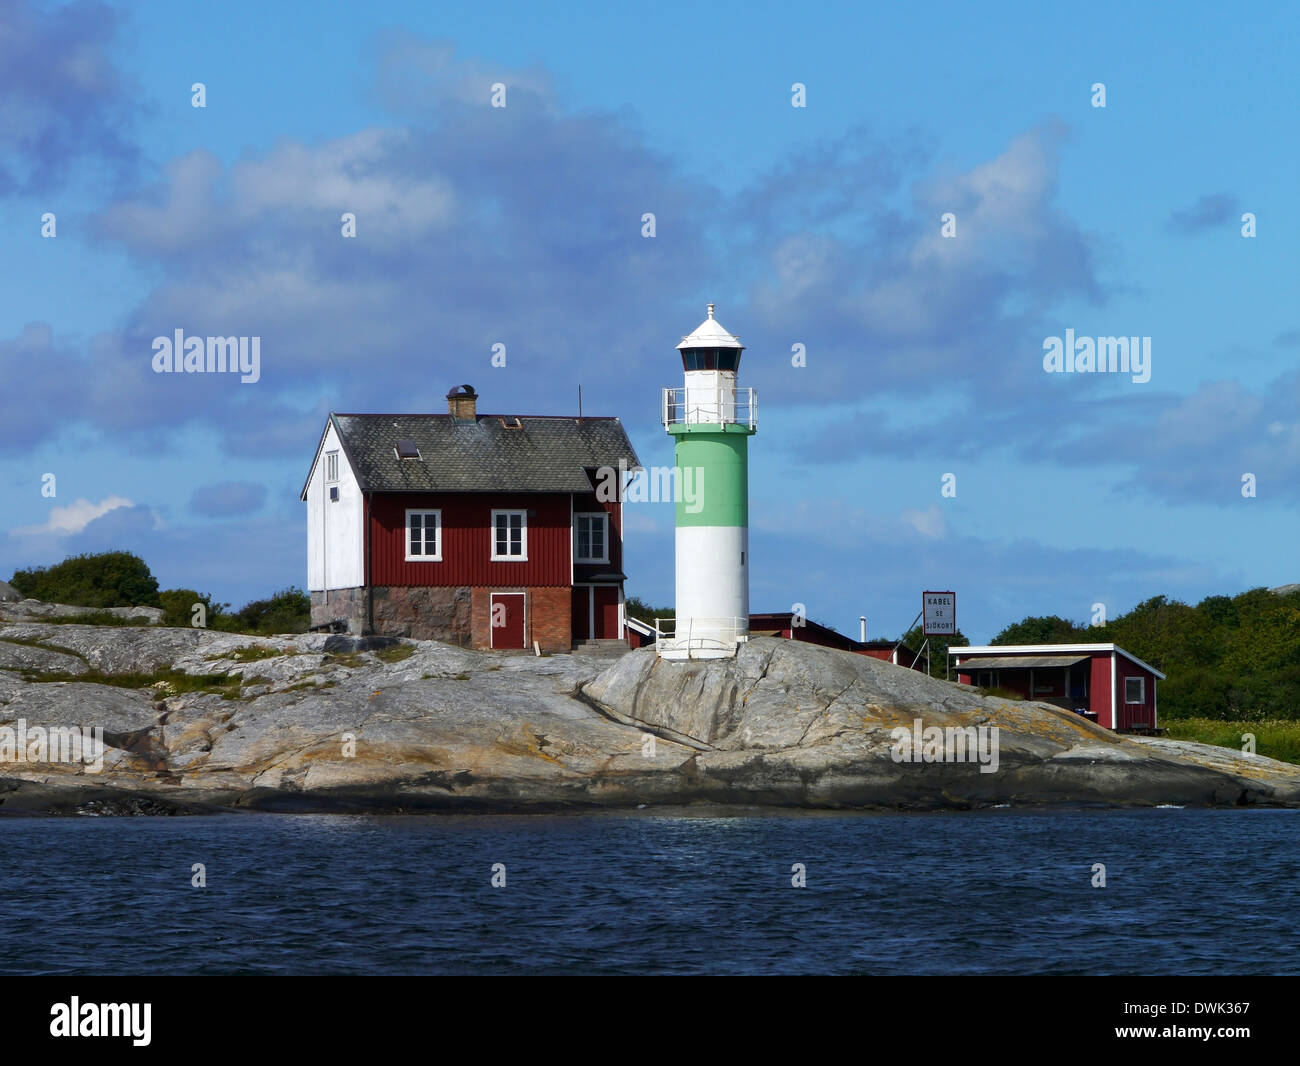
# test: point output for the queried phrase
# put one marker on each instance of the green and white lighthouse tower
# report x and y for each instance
(711, 421)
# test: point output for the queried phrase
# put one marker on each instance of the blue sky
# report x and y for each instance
(817, 225)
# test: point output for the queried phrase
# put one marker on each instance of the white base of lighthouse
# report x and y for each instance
(712, 598)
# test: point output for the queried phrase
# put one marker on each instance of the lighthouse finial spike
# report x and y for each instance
(710, 310)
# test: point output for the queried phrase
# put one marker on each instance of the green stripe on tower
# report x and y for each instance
(713, 474)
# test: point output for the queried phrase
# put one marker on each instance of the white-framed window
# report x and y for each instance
(331, 467)
(510, 536)
(1135, 690)
(591, 538)
(424, 536)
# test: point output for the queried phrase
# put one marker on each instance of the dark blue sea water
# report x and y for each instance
(1188, 892)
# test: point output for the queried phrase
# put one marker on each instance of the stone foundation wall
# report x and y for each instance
(346, 604)
(424, 613)
(455, 615)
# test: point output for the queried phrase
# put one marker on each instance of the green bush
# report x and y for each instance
(178, 607)
(288, 611)
(104, 579)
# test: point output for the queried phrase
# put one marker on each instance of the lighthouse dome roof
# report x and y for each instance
(710, 334)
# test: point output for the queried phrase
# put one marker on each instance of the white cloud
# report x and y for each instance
(929, 523)
(65, 521)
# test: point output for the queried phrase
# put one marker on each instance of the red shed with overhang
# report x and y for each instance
(1103, 682)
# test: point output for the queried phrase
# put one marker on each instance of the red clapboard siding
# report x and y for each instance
(1100, 688)
(1132, 714)
(467, 540)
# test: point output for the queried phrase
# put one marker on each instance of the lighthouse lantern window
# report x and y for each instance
(711, 359)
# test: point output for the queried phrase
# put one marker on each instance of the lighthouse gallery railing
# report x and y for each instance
(692, 405)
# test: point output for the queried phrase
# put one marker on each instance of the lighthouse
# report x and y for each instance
(710, 421)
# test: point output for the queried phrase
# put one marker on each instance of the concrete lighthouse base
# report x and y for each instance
(712, 593)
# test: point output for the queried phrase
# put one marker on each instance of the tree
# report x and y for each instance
(1046, 629)
(637, 608)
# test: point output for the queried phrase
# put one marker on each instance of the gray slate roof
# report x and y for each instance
(545, 454)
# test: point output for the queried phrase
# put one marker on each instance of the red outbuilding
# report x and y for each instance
(1103, 682)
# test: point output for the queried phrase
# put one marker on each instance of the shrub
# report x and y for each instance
(288, 611)
(103, 579)
(178, 607)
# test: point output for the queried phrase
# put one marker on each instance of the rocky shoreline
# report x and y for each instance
(197, 721)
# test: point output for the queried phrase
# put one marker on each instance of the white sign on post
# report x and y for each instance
(939, 613)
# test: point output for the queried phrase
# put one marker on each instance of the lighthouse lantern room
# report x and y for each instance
(711, 421)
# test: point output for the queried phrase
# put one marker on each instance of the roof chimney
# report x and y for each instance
(462, 403)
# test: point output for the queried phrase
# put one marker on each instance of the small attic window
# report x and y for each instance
(406, 449)
(508, 422)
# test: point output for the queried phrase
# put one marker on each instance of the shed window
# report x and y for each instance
(591, 538)
(509, 536)
(424, 536)
(1135, 690)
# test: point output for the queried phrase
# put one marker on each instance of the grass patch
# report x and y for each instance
(1276, 739)
(251, 653)
(1002, 694)
(90, 618)
(444, 677)
(171, 682)
(396, 653)
(345, 658)
(32, 642)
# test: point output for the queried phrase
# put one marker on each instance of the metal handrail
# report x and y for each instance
(728, 405)
(738, 627)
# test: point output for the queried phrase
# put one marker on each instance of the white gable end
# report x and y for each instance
(334, 527)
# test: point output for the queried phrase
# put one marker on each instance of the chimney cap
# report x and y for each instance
(460, 390)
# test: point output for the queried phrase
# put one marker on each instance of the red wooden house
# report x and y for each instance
(1102, 681)
(488, 531)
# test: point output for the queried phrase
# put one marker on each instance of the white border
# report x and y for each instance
(523, 535)
(406, 534)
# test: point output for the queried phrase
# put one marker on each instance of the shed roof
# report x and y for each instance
(489, 453)
(1049, 649)
(1020, 662)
